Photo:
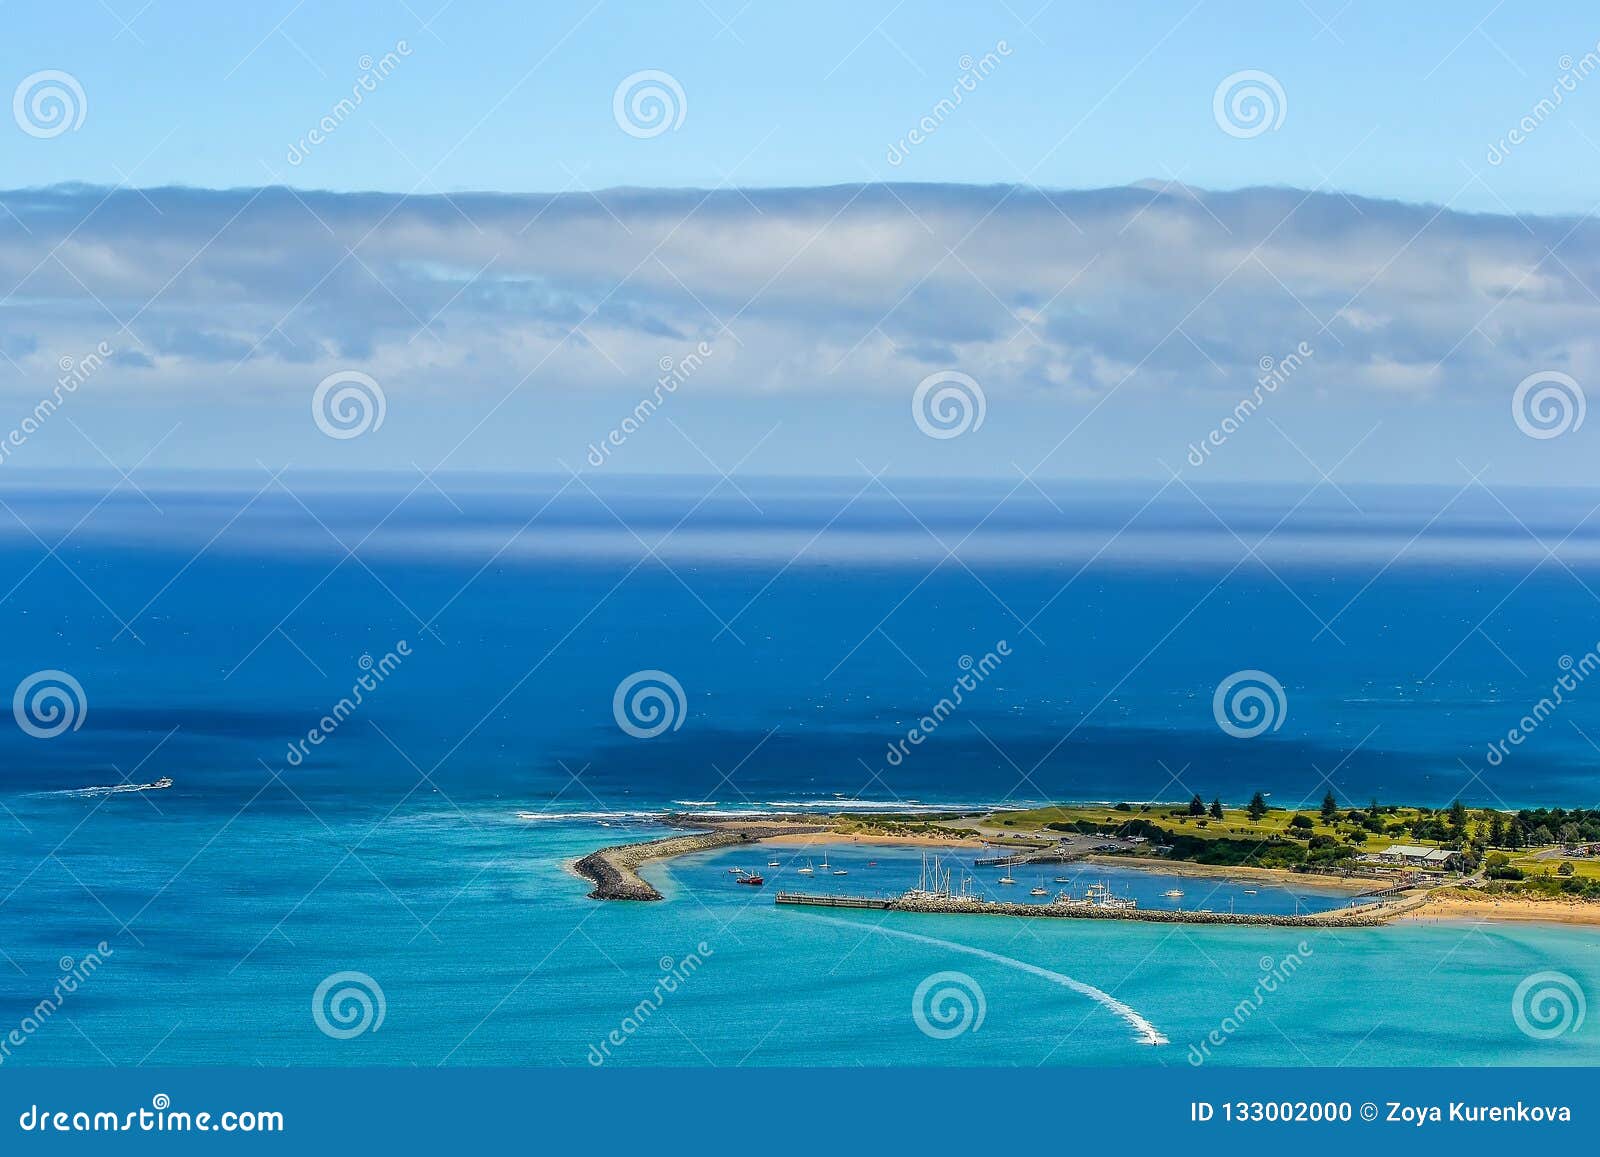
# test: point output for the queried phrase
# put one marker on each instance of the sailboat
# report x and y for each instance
(824, 861)
(772, 863)
(1039, 889)
(805, 871)
(1006, 880)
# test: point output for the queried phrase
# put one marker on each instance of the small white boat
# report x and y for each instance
(1249, 891)
(1006, 880)
(805, 871)
(824, 861)
(772, 863)
(1173, 892)
(840, 872)
(1038, 891)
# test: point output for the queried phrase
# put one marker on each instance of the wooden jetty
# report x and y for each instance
(816, 901)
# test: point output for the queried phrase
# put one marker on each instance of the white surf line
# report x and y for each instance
(1147, 1033)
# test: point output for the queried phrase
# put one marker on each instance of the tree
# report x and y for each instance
(1330, 808)
(1372, 808)
(1565, 869)
(1257, 808)
(1458, 816)
(1569, 834)
(1197, 806)
(1216, 809)
(1497, 831)
(1301, 823)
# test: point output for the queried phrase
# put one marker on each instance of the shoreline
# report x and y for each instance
(1456, 906)
(827, 836)
(614, 872)
(1242, 873)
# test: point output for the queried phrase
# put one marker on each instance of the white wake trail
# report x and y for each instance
(1146, 1032)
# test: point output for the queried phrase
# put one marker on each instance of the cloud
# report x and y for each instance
(847, 289)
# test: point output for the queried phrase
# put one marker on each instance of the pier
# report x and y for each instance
(1361, 916)
(832, 901)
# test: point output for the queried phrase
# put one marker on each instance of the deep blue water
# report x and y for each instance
(809, 628)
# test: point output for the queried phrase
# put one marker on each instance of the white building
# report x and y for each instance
(1417, 857)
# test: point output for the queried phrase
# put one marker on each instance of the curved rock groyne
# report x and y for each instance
(615, 873)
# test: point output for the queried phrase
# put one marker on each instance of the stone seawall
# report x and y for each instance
(1363, 916)
(615, 870)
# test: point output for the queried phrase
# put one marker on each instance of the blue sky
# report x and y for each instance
(1387, 100)
(1389, 222)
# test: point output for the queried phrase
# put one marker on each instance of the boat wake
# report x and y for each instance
(1144, 1031)
(115, 789)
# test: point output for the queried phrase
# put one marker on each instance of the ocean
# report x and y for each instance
(420, 836)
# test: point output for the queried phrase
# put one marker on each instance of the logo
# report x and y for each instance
(49, 103)
(947, 1004)
(1249, 103)
(648, 703)
(1548, 404)
(1547, 1005)
(48, 703)
(347, 1004)
(649, 103)
(347, 404)
(948, 404)
(1248, 703)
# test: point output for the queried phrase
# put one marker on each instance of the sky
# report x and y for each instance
(1052, 224)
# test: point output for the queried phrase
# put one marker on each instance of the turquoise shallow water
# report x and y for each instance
(487, 953)
(394, 847)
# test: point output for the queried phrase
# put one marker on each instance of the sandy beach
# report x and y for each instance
(1457, 905)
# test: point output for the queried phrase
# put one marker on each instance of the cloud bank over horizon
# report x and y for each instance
(1069, 308)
